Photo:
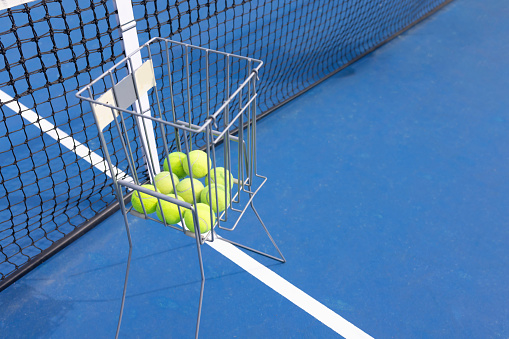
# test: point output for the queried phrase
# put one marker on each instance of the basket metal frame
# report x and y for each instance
(240, 129)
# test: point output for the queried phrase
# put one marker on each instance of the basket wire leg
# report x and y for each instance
(281, 259)
(198, 247)
(200, 303)
(199, 310)
(120, 198)
(124, 212)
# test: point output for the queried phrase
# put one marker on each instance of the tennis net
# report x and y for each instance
(52, 187)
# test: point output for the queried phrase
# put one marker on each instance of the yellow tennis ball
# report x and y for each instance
(185, 191)
(170, 210)
(218, 176)
(204, 220)
(199, 164)
(148, 201)
(209, 197)
(177, 160)
(163, 182)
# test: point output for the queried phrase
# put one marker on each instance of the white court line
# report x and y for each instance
(12, 3)
(289, 291)
(60, 136)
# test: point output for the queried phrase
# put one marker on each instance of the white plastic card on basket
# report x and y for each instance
(125, 93)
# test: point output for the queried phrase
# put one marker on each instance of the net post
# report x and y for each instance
(131, 43)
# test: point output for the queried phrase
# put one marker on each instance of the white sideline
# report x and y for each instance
(12, 3)
(60, 136)
(322, 313)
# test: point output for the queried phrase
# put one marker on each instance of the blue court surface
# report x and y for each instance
(387, 194)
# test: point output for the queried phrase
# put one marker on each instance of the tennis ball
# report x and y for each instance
(199, 164)
(204, 220)
(222, 175)
(163, 182)
(221, 202)
(148, 201)
(170, 210)
(177, 161)
(185, 191)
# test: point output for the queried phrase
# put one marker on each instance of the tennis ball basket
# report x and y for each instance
(177, 127)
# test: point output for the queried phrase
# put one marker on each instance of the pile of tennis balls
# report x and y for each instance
(176, 166)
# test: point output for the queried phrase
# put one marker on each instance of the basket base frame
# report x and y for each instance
(216, 237)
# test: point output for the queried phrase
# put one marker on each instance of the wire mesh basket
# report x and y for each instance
(169, 97)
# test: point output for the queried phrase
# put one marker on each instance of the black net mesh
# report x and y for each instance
(51, 48)
(48, 50)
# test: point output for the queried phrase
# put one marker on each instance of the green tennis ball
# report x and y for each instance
(221, 174)
(170, 210)
(199, 164)
(185, 191)
(163, 182)
(148, 201)
(210, 198)
(177, 161)
(204, 220)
